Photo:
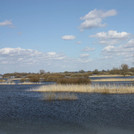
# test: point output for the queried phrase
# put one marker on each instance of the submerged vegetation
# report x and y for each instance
(59, 96)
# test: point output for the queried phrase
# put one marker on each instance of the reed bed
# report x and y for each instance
(5, 83)
(59, 96)
(24, 83)
(29, 83)
(105, 89)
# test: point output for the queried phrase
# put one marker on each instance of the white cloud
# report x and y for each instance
(68, 37)
(109, 42)
(88, 49)
(111, 37)
(27, 56)
(99, 14)
(95, 17)
(51, 53)
(29, 60)
(111, 34)
(6, 23)
(87, 24)
(108, 48)
(125, 51)
(130, 44)
(85, 55)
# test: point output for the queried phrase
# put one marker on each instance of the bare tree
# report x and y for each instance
(124, 69)
(42, 71)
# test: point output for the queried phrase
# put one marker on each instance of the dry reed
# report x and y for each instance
(106, 89)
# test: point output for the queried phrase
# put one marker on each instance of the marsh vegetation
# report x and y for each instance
(105, 89)
(51, 96)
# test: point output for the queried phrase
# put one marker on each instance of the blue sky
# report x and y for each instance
(65, 35)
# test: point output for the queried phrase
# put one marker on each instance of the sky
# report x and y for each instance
(65, 35)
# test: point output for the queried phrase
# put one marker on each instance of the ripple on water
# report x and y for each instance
(26, 113)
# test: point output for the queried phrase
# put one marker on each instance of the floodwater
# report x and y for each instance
(23, 112)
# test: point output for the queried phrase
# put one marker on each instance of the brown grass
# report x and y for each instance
(86, 89)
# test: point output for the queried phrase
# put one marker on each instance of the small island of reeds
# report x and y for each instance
(105, 89)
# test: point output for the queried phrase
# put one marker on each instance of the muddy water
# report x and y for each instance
(23, 112)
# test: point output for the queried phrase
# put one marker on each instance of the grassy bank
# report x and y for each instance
(86, 89)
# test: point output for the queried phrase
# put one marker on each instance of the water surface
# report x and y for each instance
(23, 112)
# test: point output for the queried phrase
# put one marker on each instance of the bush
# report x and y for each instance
(52, 77)
(74, 81)
(34, 78)
(22, 79)
(79, 75)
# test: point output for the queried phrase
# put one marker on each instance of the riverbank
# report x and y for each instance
(86, 89)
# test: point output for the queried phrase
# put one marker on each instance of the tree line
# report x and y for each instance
(47, 76)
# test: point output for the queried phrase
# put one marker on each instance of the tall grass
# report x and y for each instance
(23, 83)
(106, 89)
(7, 83)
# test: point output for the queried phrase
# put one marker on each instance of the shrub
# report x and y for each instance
(34, 78)
(22, 79)
(73, 81)
(80, 75)
(52, 77)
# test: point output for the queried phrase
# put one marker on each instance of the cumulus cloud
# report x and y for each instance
(68, 37)
(88, 49)
(108, 48)
(84, 55)
(126, 51)
(6, 23)
(19, 59)
(84, 58)
(111, 34)
(26, 56)
(111, 37)
(95, 17)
